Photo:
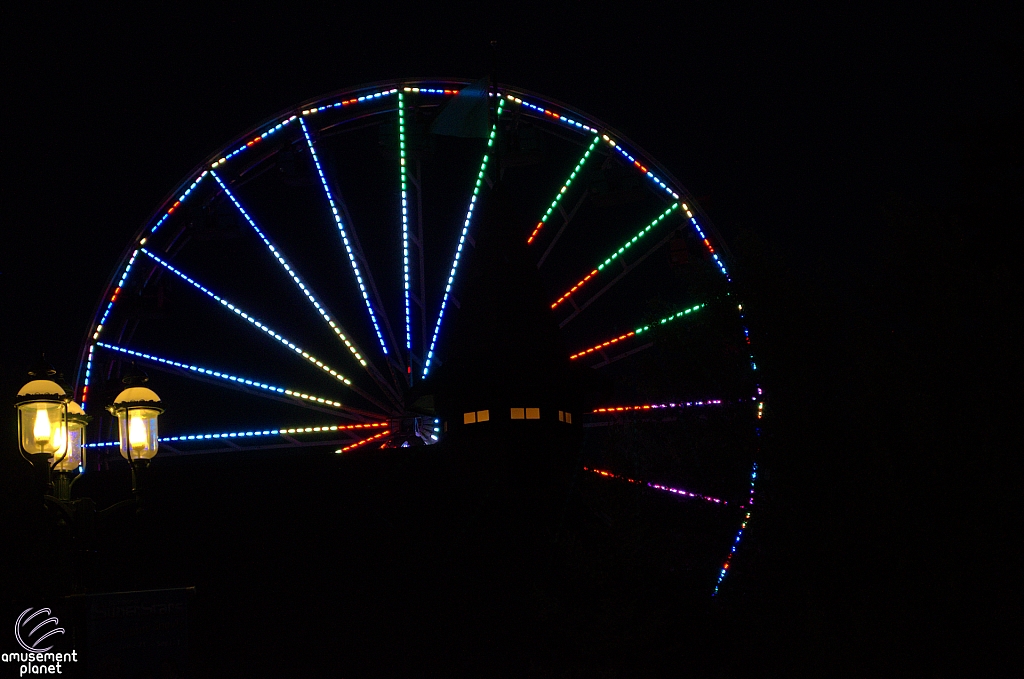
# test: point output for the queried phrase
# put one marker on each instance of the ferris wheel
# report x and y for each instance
(303, 287)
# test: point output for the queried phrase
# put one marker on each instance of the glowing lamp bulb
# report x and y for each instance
(136, 432)
(41, 429)
(58, 441)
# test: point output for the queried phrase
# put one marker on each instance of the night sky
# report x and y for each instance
(863, 165)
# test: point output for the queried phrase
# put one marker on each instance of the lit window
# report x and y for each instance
(568, 418)
(518, 413)
(533, 413)
(561, 416)
(469, 418)
(483, 415)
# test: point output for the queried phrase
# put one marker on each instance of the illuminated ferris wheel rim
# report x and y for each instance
(530, 105)
(536, 106)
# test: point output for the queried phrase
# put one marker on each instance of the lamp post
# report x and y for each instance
(51, 437)
(43, 424)
(137, 409)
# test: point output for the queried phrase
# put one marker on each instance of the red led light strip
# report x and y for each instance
(597, 347)
(364, 441)
(574, 288)
(656, 486)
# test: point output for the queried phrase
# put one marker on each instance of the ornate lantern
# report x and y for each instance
(137, 410)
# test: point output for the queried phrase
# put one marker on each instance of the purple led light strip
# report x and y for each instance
(657, 486)
(657, 406)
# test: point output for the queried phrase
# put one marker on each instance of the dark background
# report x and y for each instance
(863, 165)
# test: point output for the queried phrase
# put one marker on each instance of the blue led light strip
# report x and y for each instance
(743, 527)
(707, 243)
(561, 192)
(638, 165)
(252, 142)
(405, 220)
(349, 102)
(103, 320)
(665, 187)
(632, 159)
(181, 199)
(309, 357)
(117, 292)
(224, 376)
(746, 334)
(615, 254)
(551, 114)
(88, 373)
(462, 241)
(344, 236)
(252, 433)
(290, 272)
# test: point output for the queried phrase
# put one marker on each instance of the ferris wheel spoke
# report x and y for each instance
(639, 330)
(265, 329)
(615, 255)
(655, 412)
(253, 387)
(306, 291)
(405, 230)
(480, 179)
(413, 257)
(566, 218)
(556, 203)
(351, 246)
(257, 439)
(376, 437)
(680, 492)
(626, 270)
(739, 534)
(658, 181)
(393, 361)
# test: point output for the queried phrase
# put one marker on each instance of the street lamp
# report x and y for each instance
(72, 464)
(137, 409)
(43, 424)
(51, 436)
(51, 429)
